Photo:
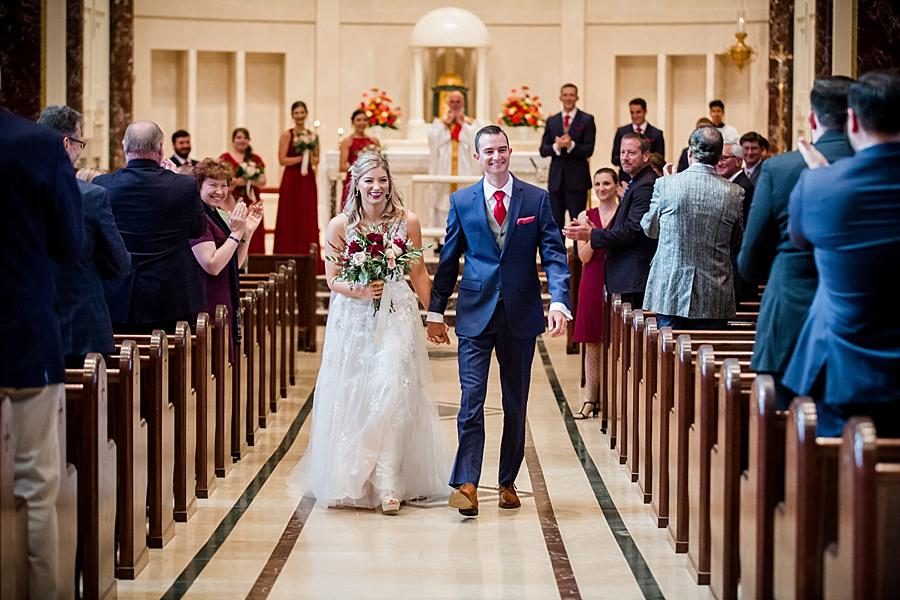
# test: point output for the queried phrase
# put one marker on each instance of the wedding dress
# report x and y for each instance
(375, 431)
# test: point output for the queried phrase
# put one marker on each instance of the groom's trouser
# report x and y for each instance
(515, 356)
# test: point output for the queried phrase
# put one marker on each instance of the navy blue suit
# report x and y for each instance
(499, 307)
(80, 301)
(848, 353)
(41, 225)
(653, 134)
(570, 172)
(157, 212)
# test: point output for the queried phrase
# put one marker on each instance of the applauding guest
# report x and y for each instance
(638, 109)
(223, 247)
(250, 176)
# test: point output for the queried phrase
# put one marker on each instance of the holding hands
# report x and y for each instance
(437, 333)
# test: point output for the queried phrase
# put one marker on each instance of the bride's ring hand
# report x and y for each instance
(374, 290)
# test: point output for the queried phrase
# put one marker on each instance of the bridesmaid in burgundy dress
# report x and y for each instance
(297, 224)
(241, 152)
(352, 145)
(591, 292)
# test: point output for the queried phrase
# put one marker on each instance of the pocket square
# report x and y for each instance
(524, 220)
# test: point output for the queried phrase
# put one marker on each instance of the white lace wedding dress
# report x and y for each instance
(375, 431)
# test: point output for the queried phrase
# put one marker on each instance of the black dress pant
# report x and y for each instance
(562, 200)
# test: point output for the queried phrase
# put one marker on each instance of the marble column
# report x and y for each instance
(121, 76)
(824, 37)
(20, 59)
(781, 77)
(878, 23)
(75, 54)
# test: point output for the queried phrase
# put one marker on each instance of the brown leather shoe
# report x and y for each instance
(508, 496)
(465, 499)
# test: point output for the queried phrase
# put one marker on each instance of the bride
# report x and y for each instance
(376, 438)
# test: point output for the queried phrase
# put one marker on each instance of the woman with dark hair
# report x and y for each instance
(224, 246)
(589, 321)
(297, 224)
(353, 145)
(250, 175)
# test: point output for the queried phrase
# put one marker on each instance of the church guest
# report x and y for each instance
(657, 163)
(80, 302)
(353, 145)
(696, 216)
(766, 249)
(730, 166)
(717, 116)
(297, 224)
(848, 354)
(591, 290)
(638, 109)
(451, 140)
(569, 142)
(157, 212)
(41, 227)
(752, 145)
(248, 179)
(181, 144)
(682, 159)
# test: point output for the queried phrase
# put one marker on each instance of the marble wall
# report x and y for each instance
(121, 76)
(878, 32)
(781, 80)
(75, 54)
(20, 56)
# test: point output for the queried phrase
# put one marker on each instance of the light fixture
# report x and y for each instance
(740, 52)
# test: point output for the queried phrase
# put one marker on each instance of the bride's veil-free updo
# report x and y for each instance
(368, 160)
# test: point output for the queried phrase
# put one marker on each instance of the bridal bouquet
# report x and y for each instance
(250, 172)
(379, 109)
(305, 145)
(370, 255)
(521, 110)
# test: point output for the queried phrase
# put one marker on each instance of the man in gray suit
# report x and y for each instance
(696, 215)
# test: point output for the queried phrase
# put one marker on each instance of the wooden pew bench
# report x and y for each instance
(266, 386)
(304, 276)
(13, 515)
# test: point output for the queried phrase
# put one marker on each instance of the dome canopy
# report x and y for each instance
(450, 28)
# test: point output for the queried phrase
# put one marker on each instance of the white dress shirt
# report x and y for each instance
(571, 114)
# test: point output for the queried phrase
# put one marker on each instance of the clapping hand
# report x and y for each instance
(564, 140)
(578, 230)
(254, 217)
(168, 165)
(437, 333)
(621, 189)
(238, 219)
(814, 159)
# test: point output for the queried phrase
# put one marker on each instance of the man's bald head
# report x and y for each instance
(143, 139)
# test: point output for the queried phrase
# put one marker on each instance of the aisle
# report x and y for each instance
(257, 537)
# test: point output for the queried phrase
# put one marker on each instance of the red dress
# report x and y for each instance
(357, 145)
(591, 301)
(297, 223)
(258, 241)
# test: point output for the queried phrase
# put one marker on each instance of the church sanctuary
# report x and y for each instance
(449, 299)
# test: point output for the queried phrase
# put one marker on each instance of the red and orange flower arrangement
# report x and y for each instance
(379, 109)
(521, 109)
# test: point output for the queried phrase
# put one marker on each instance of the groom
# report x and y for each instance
(498, 224)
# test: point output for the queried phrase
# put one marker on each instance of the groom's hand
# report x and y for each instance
(437, 333)
(556, 323)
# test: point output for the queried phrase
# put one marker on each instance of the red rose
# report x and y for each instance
(401, 243)
(375, 238)
(354, 247)
(376, 250)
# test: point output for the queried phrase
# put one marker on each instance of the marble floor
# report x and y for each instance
(582, 530)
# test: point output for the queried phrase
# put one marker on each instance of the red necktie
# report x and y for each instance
(639, 131)
(566, 120)
(499, 207)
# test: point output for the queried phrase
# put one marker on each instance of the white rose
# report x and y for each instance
(390, 253)
(358, 259)
(250, 171)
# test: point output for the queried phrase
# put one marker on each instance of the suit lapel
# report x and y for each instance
(515, 208)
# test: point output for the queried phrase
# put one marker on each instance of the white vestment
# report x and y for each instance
(449, 157)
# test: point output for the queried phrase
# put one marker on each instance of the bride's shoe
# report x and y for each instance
(390, 506)
(592, 412)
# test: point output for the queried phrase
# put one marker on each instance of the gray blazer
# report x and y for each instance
(696, 215)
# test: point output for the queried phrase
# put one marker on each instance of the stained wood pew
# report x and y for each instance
(265, 355)
(129, 431)
(304, 278)
(225, 398)
(239, 366)
(182, 397)
(251, 367)
(608, 378)
(94, 455)
(66, 509)
(661, 407)
(204, 384)
(862, 563)
(638, 418)
(615, 347)
(13, 516)
(278, 317)
(619, 399)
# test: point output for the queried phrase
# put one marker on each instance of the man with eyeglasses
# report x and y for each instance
(80, 302)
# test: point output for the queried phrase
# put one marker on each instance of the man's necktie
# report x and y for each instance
(640, 131)
(566, 120)
(499, 207)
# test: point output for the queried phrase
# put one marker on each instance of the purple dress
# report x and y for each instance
(591, 301)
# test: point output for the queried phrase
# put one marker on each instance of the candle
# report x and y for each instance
(316, 123)
(740, 25)
(340, 132)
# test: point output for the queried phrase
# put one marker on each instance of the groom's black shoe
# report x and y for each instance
(465, 499)
(508, 496)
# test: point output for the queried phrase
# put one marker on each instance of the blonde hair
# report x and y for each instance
(371, 159)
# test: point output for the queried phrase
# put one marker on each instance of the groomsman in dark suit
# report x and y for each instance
(639, 125)
(753, 145)
(569, 141)
(181, 144)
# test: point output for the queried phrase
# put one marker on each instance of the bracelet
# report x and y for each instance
(236, 240)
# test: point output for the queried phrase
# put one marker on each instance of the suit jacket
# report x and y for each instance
(492, 272)
(754, 176)
(849, 215)
(157, 212)
(570, 170)
(41, 226)
(696, 215)
(179, 162)
(744, 182)
(80, 301)
(743, 289)
(628, 250)
(767, 253)
(657, 144)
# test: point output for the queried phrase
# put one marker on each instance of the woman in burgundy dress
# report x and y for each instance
(224, 245)
(352, 145)
(250, 176)
(589, 323)
(297, 224)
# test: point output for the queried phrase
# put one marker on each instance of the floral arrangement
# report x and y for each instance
(379, 109)
(250, 172)
(302, 144)
(371, 255)
(521, 110)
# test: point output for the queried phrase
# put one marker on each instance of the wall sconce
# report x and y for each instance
(740, 52)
